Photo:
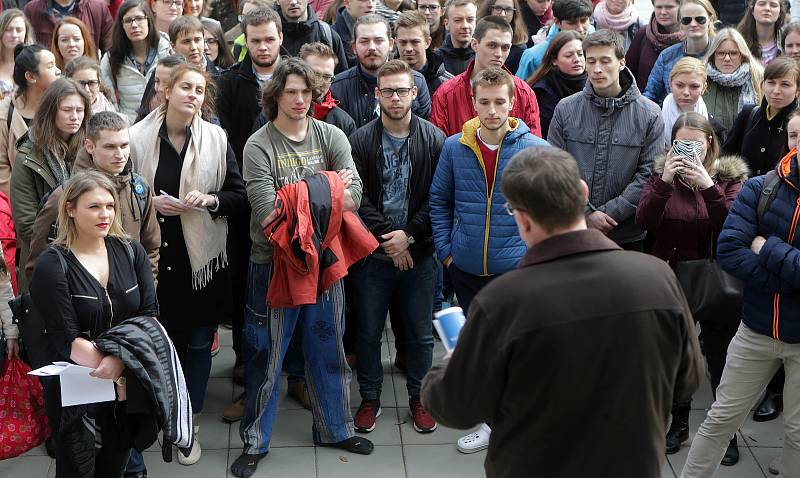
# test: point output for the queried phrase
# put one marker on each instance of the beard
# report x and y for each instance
(394, 115)
(373, 62)
(264, 64)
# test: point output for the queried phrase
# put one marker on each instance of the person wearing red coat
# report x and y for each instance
(44, 15)
(452, 103)
(684, 205)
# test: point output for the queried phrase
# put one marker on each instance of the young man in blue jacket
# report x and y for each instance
(474, 234)
(759, 245)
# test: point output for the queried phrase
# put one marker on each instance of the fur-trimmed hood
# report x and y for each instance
(725, 168)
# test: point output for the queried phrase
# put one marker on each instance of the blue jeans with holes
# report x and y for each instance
(268, 331)
(376, 279)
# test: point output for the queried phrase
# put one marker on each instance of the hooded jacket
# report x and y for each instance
(455, 60)
(452, 104)
(315, 240)
(93, 13)
(355, 91)
(296, 34)
(434, 72)
(344, 25)
(128, 87)
(771, 302)
(615, 141)
(684, 221)
(425, 143)
(132, 191)
(471, 227)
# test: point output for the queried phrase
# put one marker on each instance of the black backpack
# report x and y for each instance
(772, 183)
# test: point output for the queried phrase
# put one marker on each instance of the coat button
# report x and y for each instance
(164, 244)
(160, 219)
(763, 149)
(169, 268)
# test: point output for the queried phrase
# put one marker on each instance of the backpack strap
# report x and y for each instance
(326, 34)
(61, 259)
(772, 183)
(752, 118)
(10, 115)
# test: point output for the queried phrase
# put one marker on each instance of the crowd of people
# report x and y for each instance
(298, 170)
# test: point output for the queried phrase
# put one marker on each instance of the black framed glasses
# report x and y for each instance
(169, 3)
(89, 83)
(498, 10)
(730, 54)
(701, 20)
(429, 8)
(389, 92)
(211, 41)
(327, 78)
(138, 19)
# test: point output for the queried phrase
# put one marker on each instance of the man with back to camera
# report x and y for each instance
(575, 296)
(567, 15)
(615, 134)
(452, 103)
(355, 88)
(459, 22)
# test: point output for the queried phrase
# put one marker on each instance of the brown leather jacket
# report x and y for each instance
(140, 225)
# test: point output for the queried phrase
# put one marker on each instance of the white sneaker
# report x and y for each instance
(475, 441)
(194, 455)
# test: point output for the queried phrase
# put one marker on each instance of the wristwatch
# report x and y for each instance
(410, 240)
(121, 381)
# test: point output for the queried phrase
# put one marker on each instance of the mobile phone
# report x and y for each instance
(690, 150)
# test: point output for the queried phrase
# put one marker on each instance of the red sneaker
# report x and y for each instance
(215, 345)
(367, 414)
(423, 422)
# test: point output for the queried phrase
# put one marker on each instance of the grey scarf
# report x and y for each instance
(741, 78)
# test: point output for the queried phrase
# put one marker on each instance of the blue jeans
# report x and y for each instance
(267, 334)
(376, 280)
(194, 351)
(135, 466)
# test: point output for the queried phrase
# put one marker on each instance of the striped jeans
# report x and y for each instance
(266, 337)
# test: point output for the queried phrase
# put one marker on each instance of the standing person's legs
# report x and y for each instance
(197, 367)
(771, 405)
(751, 361)
(327, 373)
(791, 411)
(295, 368)
(466, 286)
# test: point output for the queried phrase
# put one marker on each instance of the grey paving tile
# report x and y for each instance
(25, 467)
(442, 461)
(296, 462)
(225, 337)
(219, 394)
(763, 434)
(37, 451)
(387, 428)
(212, 464)
(384, 462)
(703, 398)
(666, 470)
(388, 398)
(214, 433)
(222, 364)
(441, 436)
(292, 428)
(747, 467)
(764, 456)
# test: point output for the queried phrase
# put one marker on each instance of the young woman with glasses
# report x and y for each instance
(215, 46)
(132, 59)
(761, 28)
(87, 73)
(433, 11)
(510, 11)
(165, 12)
(734, 77)
(697, 19)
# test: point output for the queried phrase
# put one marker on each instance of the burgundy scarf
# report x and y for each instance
(658, 39)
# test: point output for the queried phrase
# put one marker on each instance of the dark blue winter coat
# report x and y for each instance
(772, 277)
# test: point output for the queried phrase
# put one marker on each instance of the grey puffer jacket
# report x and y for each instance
(128, 87)
(615, 141)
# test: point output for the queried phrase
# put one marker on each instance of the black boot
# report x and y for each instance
(769, 408)
(678, 429)
(731, 454)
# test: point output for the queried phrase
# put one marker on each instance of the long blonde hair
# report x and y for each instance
(79, 184)
(756, 70)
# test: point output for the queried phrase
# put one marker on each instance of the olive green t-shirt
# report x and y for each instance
(271, 160)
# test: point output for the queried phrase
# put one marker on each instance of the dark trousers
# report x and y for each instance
(776, 384)
(75, 446)
(466, 286)
(239, 253)
(194, 351)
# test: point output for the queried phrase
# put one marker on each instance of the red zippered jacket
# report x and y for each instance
(315, 240)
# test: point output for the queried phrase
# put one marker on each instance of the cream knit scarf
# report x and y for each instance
(204, 169)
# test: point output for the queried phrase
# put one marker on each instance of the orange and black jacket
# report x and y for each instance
(771, 303)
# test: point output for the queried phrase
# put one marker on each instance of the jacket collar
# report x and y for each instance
(412, 129)
(246, 68)
(309, 21)
(630, 93)
(568, 244)
(788, 168)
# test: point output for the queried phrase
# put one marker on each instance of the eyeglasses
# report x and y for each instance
(730, 54)
(89, 83)
(389, 92)
(169, 3)
(211, 41)
(510, 209)
(429, 8)
(688, 20)
(331, 78)
(139, 19)
(497, 10)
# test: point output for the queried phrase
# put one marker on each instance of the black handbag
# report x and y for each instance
(712, 293)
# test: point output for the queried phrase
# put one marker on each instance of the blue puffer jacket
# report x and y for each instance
(658, 83)
(772, 277)
(471, 226)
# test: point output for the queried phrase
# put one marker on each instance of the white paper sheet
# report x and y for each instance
(77, 386)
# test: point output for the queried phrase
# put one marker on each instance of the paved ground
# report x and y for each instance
(400, 451)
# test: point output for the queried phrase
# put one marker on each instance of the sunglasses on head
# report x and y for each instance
(699, 20)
